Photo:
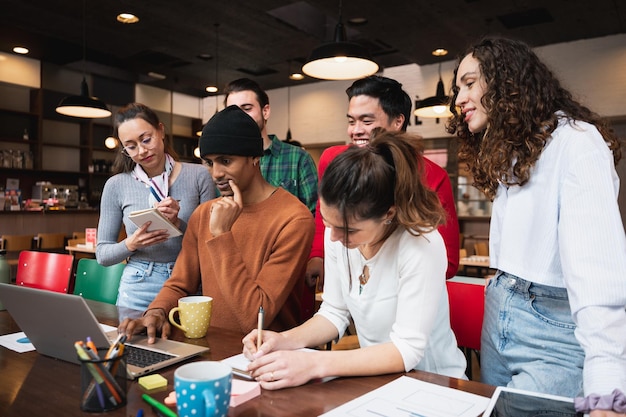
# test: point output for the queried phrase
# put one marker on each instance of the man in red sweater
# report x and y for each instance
(381, 102)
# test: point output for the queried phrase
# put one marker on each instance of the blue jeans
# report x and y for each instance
(141, 282)
(528, 338)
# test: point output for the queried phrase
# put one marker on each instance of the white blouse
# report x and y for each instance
(404, 301)
(563, 229)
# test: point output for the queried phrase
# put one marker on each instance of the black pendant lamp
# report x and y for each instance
(437, 106)
(340, 59)
(83, 105)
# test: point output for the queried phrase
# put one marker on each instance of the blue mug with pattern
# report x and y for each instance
(203, 389)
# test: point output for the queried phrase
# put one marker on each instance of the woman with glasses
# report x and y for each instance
(147, 174)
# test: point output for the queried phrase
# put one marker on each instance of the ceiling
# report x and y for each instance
(266, 39)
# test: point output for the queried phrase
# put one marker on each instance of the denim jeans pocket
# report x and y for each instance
(554, 311)
(133, 274)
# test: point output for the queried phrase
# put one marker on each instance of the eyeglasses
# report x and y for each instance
(133, 148)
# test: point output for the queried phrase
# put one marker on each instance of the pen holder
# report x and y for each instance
(103, 383)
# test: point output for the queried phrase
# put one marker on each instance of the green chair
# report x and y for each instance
(97, 282)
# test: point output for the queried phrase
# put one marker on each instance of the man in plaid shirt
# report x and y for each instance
(282, 165)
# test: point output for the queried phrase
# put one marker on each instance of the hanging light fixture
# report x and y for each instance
(83, 105)
(340, 59)
(288, 137)
(436, 106)
(215, 88)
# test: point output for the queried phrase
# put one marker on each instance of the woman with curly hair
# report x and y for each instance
(555, 319)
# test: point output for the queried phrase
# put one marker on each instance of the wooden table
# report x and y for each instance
(35, 385)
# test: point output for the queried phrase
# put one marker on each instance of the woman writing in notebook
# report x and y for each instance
(385, 266)
(147, 174)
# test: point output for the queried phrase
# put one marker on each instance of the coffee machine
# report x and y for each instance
(66, 195)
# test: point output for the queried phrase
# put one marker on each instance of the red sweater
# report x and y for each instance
(436, 178)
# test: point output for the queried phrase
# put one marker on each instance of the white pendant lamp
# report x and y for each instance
(340, 59)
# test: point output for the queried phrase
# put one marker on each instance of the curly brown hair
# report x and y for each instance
(524, 102)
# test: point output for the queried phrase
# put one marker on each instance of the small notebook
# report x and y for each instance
(239, 364)
(140, 217)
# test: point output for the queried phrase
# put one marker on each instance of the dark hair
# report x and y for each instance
(246, 84)
(393, 99)
(124, 163)
(522, 98)
(364, 182)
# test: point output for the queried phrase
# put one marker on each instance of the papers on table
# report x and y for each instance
(409, 397)
(17, 342)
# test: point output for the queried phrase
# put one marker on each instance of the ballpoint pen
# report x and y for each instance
(259, 337)
(121, 338)
(91, 345)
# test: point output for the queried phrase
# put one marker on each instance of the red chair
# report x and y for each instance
(467, 307)
(44, 270)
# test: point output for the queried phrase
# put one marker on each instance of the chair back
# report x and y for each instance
(97, 282)
(51, 241)
(16, 243)
(78, 235)
(44, 270)
(467, 307)
(481, 249)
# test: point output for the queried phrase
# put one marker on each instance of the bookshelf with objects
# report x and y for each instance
(39, 146)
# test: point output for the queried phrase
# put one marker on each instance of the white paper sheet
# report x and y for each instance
(410, 397)
(16, 342)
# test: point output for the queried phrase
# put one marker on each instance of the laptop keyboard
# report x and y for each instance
(143, 357)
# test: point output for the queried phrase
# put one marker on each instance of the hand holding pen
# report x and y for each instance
(259, 333)
(170, 208)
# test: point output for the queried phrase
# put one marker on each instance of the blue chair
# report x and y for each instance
(97, 282)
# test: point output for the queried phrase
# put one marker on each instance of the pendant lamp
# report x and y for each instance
(288, 137)
(83, 105)
(436, 106)
(340, 59)
(215, 88)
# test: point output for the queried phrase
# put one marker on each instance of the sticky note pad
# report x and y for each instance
(242, 391)
(151, 382)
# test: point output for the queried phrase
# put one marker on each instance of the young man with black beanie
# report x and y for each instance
(246, 249)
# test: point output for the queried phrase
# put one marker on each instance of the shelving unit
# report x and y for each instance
(58, 148)
(67, 150)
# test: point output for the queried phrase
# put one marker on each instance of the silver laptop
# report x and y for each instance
(53, 321)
